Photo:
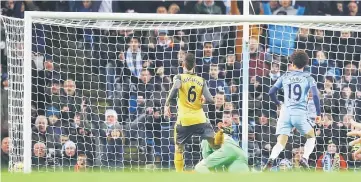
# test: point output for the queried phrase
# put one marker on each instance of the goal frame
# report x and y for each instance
(245, 20)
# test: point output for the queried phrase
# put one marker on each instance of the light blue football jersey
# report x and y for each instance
(296, 85)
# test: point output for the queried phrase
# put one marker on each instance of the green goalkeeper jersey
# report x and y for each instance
(229, 148)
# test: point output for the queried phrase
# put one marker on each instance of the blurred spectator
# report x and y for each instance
(344, 103)
(297, 154)
(173, 9)
(254, 149)
(207, 7)
(353, 9)
(324, 132)
(69, 154)
(8, 8)
(338, 8)
(343, 46)
(331, 160)
(265, 135)
(232, 67)
(175, 66)
(55, 124)
(81, 163)
(322, 67)
(256, 63)
(328, 90)
(215, 83)
(319, 8)
(162, 10)
(235, 93)
(5, 152)
(207, 58)
(215, 112)
(39, 155)
(4, 102)
(42, 133)
(257, 97)
(113, 149)
(71, 101)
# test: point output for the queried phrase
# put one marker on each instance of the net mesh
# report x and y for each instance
(98, 88)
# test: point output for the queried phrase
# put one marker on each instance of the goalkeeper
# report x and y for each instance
(229, 155)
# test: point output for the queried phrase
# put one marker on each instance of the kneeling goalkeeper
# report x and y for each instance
(229, 155)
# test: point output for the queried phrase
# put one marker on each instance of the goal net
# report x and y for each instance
(98, 87)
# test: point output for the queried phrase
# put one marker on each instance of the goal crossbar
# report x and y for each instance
(196, 17)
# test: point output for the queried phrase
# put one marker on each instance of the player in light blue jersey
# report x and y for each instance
(294, 113)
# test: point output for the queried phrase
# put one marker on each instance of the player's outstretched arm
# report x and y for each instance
(207, 94)
(172, 93)
(273, 95)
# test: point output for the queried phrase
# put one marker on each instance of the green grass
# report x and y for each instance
(180, 177)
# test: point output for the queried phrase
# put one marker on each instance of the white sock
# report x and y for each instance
(309, 146)
(276, 150)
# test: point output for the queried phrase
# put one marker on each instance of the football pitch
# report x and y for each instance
(180, 177)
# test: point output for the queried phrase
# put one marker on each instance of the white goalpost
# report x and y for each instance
(75, 54)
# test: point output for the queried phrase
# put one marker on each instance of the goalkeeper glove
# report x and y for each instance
(227, 130)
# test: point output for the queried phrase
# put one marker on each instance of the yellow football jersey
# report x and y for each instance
(190, 106)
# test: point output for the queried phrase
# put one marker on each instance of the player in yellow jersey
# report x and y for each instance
(191, 117)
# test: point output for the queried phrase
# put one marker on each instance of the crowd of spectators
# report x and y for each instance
(74, 125)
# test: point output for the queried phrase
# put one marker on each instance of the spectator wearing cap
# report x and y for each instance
(232, 68)
(112, 138)
(331, 160)
(69, 154)
(55, 124)
(4, 102)
(282, 38)
(5, 152)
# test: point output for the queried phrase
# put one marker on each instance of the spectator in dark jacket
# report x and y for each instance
(71, 101)
(69, 154)
(5, 152)
(203, 63)
(232, 67)
(42, 133)
(4, 103)
(39, 159)
(322, 67)
(207, 7)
